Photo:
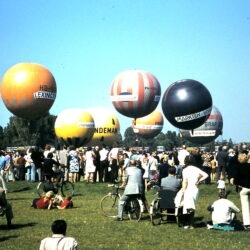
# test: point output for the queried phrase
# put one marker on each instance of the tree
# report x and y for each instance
(22, 132)
(1, 137)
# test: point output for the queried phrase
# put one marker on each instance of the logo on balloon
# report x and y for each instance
(194, 116)
(44, 95)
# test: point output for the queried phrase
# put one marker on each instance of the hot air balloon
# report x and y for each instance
(149, 126)
(107, 127)
(187, 104)
(74, 127)
(135, 93)
(28, 90)
(208, 131)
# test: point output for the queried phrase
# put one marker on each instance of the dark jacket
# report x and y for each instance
(222, 158)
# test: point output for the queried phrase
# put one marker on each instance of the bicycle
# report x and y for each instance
(66, 187)
(133, 207)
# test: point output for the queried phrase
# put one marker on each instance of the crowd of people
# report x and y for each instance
(181, 171)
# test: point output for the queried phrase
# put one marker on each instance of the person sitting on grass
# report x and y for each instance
(223, 213)
(61, 203)
(45, 202)
(58, 239)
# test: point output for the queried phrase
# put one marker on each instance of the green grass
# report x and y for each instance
(94, 231)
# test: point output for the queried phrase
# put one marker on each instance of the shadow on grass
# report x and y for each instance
(21, 190)
(199, 223)
(77, 195)
(7, 238)
(17, 199)
(17, 226)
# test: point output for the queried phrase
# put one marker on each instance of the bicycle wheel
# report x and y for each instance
(67, 188)
(40, 189)
(134, 209)
(109, 205)
(155, 212)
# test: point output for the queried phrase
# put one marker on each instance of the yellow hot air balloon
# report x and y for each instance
(107, 127)
(75, 127)
(148, 126)
(28, 90)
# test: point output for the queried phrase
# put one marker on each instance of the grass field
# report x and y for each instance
(94, 231)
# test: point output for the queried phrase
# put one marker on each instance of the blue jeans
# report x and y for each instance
(33, 172)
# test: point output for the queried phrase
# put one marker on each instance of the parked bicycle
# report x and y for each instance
(133, 207)
(65, 187)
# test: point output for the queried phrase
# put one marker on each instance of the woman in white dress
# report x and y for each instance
(192, 177)
(89, 165)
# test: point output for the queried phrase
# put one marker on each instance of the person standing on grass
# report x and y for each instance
(113, 158)
(192, 178)
(90, 166)
(2, 169)
(104, 164)
(222, 159)
(58, 241)
(74, 163)
(241, 178)
(37, 158)
(5, 208)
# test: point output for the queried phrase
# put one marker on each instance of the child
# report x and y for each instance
(63, 204)
(221, 185)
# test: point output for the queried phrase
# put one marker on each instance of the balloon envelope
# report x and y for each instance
(107, 127)
(28, 90)
(187, 104)
(135, 93)
(74, 127)
(149, 126)
(208, 131)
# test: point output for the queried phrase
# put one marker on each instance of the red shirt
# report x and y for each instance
(67, 204)
(41, 204)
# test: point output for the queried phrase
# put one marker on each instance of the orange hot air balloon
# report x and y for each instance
(150, 125)
(28, 90)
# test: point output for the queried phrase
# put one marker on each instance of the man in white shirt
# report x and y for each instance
(182, 155)
(104, 164)
(58, 241)
(223, 210)
(113, 159)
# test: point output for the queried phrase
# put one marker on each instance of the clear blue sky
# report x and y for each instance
(85, 44)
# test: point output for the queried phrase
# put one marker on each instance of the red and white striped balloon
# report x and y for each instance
(135, 93)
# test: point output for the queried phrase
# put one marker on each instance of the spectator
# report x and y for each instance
(63, 160)
(2, 169)
(90, 166)
(171, 182)
(21, 167)
(58, 239)
(5, 208)
(163, 170)
(223, 211)
(28, 164)
(134, 186)
(97, 164)
(192, 177)
(37, 157)
(113, 159)
(104, 164)
(222, 163)
(74, 163)
(241, 178)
